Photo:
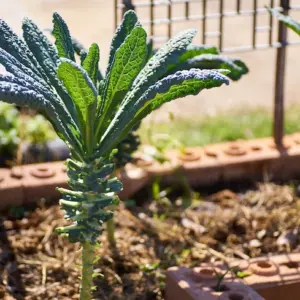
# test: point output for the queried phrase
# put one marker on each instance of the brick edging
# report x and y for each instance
(28, 183)
(241, 160)
(274, 277)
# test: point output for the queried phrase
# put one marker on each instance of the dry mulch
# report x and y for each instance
(35, 263)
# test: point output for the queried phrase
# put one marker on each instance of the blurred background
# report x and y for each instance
(241, 110)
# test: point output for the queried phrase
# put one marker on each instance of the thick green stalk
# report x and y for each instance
(88, 205)
(110, 224)
(88, 249)
(111, 232)
(89, 130)
(88, 252)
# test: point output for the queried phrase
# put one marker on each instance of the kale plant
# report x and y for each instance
(205, 57)
(195, 56)
(91, 113)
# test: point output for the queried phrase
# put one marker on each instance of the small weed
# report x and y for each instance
(150, 267)
(236, 272)
(243, 274)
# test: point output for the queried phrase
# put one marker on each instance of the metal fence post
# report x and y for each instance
(278, 122)
(127, 5)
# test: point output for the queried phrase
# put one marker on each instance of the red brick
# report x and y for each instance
(11, 190)
(273, 278)
(183, 284)
(41, 180)
(133, 179)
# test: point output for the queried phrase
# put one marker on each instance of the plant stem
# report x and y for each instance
(88, 251)
(111, 232)
(110, 224)
(89, 130)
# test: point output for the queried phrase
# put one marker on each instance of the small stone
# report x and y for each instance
(8, 224)
(142, 216)
(223, 195)
(254, 243)
(206, 206)
(197, 228)
(261, 234)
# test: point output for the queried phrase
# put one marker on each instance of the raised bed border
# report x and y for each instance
(28, 184)
(257, 159)
(274, 277)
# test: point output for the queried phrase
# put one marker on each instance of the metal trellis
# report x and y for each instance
(203, 15)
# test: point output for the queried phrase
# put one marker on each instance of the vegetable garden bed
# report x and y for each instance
(152, 236)
(97, 116)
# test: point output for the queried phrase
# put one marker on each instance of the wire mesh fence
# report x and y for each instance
(210, 14)
(217, 22)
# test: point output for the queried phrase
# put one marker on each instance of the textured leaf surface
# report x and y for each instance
(63, 38)
(31, 32)
(196, 50)
(30, 83)
(158, 64)
(290, 22)
(25, 97)
(128, 23)
(210, 61)
(26, 77)
(129, 60)
(11, 43)
(13, 66)
(191, 51)
(90, 63)
(156, 67)
(83, 52)
(79, 86)
(39, 97)
(48, 58)
(174, 86)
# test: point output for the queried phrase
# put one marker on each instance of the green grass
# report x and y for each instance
(224, 127)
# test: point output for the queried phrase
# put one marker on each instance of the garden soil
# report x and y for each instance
(151, 236)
